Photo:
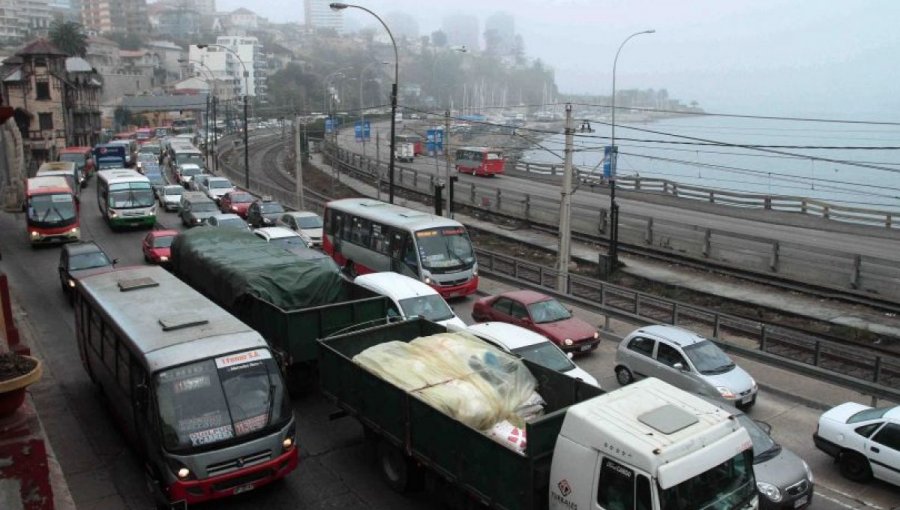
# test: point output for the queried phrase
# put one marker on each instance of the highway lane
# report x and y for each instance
(857, 243)
(103, 472)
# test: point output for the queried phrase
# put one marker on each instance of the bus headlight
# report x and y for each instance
(183, 473)
(35, 235)
(74, 231)
(71, 283)
(113, 214)
(287, 443)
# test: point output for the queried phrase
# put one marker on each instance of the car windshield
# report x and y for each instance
(549, 310)
(190, 171)
(163, 241)
(90, 260)
(270, 207)
(215, 400)
(231, 223)
(51, 210)
(288, 242)
(869, 414)
(728, 485)
(445, 249)
(217, 184)
(708, 359)
(309, 222)
(241, 198)
(130, 195)
(432, 307)
(764, 447)
(547, 355)
(174, 190)
(203, 207)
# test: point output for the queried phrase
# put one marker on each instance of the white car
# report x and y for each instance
(531, 346)
(307, 224)
(216, 187)
(281, 236)
(865, 441)
(412, 298)
(170, 196)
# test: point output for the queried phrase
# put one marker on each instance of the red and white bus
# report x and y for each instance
(143, 135)
(366, 236)
(479, 161)
(51, 210)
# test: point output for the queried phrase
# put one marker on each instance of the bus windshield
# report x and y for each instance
(51, 210)
(215, 400)
(78, 159)
(445, 249)
(190, 157)
(728, 485)
(130, 195)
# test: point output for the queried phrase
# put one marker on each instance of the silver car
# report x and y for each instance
(170, 197)
(685, 360)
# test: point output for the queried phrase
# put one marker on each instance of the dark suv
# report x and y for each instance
(80, 259)
(195, 208)
(264, 213)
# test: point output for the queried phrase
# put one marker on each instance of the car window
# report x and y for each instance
(869, 414)
(502, 305)
(642, 345)
(867, 430)
(889, 436)
(668, 355)
(518, 310)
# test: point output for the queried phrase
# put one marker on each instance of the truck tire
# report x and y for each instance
(398, 470)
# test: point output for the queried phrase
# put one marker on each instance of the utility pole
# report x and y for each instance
(565, 208)
(215, 143)
(298, 161)
(206, 133)
(446, 142)
(377, 165)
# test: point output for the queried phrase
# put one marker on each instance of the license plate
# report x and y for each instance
(800, 502)
(747, 399)
(584, 348)
(243, 488)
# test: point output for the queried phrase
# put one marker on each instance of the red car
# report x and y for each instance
(539, 313)
(236, 202)
(156, 246)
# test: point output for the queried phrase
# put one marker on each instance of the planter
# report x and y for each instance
(12, 391)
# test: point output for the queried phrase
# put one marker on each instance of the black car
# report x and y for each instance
(195, 208)
(79, 259)
(264, 213)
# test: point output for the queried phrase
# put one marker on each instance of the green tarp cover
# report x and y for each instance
(231, 267)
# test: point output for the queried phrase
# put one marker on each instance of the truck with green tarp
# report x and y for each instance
(291, 297)
(647, 445)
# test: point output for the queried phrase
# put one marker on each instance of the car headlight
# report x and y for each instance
(74, 231)
(427, 280)
(35, 234)
(809, 473)
(568, 341)
(725, 392)
(198, 220)
(753, 385)
(234, 209)
(596, 335)
(770, 491)
(163, 259)
(71, 283)
(113, 214)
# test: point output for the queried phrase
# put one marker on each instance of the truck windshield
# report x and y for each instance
(217, 400)
(726, 486)
(432, 307)
(51, 210)
(444, 250)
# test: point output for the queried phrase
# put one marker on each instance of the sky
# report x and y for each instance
(815, 58)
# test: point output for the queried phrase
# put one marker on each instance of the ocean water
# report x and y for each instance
(852, 164)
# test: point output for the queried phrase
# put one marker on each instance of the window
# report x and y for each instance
(379, 239)
(518, 310)
(668, 355)
(109, 349)
(503, 305)
(889, 436)
(96, 332)
(124, 363)
(642, 345)
(615, 489)
(867, 430)
(642, 494)
(42, 90)
(46, 121)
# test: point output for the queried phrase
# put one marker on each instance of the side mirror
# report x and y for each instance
(679, 366)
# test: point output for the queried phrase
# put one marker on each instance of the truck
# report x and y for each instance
(647, 446)
(405, 151)
(290, 298)
(110, 156)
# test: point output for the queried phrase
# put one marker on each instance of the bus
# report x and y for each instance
(479, 161)
(143, 135)
(51, 210)
(65, 169)
(126, 198)
(181, 126)
(364, 236)
(108, 156)
(185, 152)
(196, 392)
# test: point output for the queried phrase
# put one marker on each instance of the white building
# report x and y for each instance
(12, 29)
(223, 64)
(319, 15)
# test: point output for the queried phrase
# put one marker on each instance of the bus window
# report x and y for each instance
(409, 255)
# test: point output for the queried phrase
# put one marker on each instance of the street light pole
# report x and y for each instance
(246, 101)
(210, 106)
(339, 6)
(613, 155)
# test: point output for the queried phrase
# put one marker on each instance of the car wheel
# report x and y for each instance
(624, 376)
(855, 467)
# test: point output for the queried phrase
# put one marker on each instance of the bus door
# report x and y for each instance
(408, 261)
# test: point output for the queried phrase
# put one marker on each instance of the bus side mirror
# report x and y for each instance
(141, 396)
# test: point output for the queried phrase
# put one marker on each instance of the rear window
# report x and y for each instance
(869, 414)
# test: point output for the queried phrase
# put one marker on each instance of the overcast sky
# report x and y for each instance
(830, 58)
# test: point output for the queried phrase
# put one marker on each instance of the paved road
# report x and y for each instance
(103, 472)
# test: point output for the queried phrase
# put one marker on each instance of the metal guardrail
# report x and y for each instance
(877, 375)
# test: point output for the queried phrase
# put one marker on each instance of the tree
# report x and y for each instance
(69, 37)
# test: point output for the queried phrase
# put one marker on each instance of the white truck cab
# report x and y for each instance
(412, 298)
(651, 446)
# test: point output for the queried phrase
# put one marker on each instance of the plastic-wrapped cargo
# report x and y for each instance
(232, 265)
(456, 373)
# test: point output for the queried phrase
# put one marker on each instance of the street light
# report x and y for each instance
(337, 6)
(613, 208)
(246, 100)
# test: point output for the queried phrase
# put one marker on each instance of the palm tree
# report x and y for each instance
(69, 37)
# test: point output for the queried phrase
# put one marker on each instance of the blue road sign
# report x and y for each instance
(362, 131)
(434, 141)
(609, 162)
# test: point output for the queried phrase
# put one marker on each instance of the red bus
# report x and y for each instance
(51, 210)
(366, 236)
(143, 135)
(479, 161)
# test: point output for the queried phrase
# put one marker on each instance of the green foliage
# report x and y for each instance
(126, 40)
(69, 37)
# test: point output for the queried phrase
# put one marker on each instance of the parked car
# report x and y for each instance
(216, 187)
(864, 441)
(170, 197)
(198, 183)
(186, 172)
(195, 207)
(264, 213)
(531, 346)
(539, 313)
(156, 246)
(307, 224)
(227, 221)
(236, 202)
(783, 480)
(686, 360)
(412, 298)
(80, 259)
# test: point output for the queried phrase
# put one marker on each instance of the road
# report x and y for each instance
(335, 471)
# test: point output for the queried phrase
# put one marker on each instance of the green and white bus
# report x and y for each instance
(126, 198)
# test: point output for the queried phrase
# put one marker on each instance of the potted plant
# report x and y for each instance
(16, 373)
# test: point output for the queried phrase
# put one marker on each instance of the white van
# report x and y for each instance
(412, 298)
